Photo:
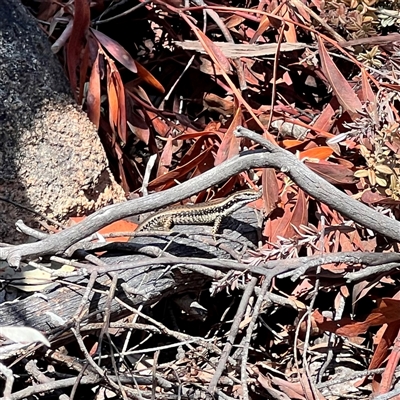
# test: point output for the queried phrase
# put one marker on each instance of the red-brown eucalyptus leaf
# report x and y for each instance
(230, 143)
(77, 40)
(83, 68)
(367, 92)
(368, 96)
(388, 311)
(211, 48)
(194, 135)
(93, 95)
(205, 165)
(214, 103)
(342, 89)
(203, 142)
(279, 223)
(112, 99)
(360, 290)
(319, 153)
(345, 243)
(141, 133)
(292, 143)
(300, 214)
(148, 77)
(121, 105)
(370, 197)
(384, 340)
(392, 363)
(262, 27)
(333, 217)
(326, 119)
(165, 158)
(116, 50)
(179, 173)
(289, 28)
(333, 173)
(292, 389)
(116, 99)
(270, 190)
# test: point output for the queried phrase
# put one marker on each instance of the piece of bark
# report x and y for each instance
(136, 285)
(51, 158)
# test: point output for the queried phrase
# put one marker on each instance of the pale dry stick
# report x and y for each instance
(228, 37)
(28, 231)
(310, 309)
(246, 344)
(280, 267)
(299, 5)
(146, 178)
(332, 336)
(9, 375)
(232, 334)
(89, 358)
(274, 77)
(153, 372)
(332, 340)
(187, 66)
(107, 312)
(134, 8)
(323, 191)
(353, 375)
(166, 331)
(68, 382)
(272, 156)
(249, 333)
(62, 39)
(85, 298)
(129, 334)
(114, 366)
(388, 395)
(78, 382)
(365, 273)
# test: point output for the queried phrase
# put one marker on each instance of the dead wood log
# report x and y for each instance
(136, 286)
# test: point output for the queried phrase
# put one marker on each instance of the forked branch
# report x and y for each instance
(270, 157)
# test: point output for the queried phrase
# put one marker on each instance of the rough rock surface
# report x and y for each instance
(51, 159)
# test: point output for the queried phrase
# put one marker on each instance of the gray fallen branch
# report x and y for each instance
(271, 156)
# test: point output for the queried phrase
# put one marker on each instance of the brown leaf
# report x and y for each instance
(388, 311)
(142, 134)
(211, 47)
(270, 190)
(148, 77)
(121, 106)
(300, 214)
(292, 389)
(179, 173)
(93, 95)
(218, 104)
(393, 361)
(326, 119)
(290, 29)
(384, 340)
(165, 158)
(77, 40)
(319, 153)
(116, 50)
(230, 143)
(112, 99)
(333, 173)
(342, 89)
